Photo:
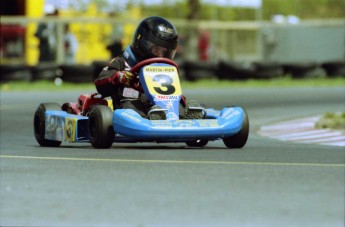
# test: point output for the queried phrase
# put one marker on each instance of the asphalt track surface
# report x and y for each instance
(267, 183)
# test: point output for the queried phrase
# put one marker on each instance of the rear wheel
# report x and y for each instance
(240, 139)
(101, 127)
(40, 122)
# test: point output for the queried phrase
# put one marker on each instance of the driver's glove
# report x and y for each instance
(126, 78)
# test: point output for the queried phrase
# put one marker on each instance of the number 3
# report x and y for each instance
(165, 82)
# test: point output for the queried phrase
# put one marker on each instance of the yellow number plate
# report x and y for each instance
(162, 80)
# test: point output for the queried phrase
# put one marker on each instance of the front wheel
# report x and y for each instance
(40, 124)
(197, 143)
(240, 139)
(101, 127)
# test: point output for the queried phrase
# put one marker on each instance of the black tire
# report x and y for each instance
(235, 71)
(300, 70)
(335, 68)
(240, 139)
(101, 127)
(265, 70)
(197, 143)
(39, 124)
(199, 70)
(45, 71)
(18, 72)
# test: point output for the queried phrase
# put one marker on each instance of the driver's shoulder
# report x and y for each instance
(117, 63)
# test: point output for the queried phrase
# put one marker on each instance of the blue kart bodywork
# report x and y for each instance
(131, 127)
(223, 123)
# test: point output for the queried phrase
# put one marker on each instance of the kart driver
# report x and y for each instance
(154, 37)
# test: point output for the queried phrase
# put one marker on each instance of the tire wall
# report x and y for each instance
(189, 70)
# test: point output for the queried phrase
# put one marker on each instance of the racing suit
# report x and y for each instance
(116, 81)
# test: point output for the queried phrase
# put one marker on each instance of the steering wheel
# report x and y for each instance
(138, 66)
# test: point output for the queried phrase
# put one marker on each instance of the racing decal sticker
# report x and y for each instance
(70, 129)
(130, 115)
(211, 123)
(166, 97)
(130, 93)
(172, 116)
(165, 29)
(229, 113)
(54, 128)
(162, 124)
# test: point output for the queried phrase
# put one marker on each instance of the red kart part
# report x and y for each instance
(85, 102)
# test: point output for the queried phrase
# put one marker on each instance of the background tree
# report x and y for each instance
(196, 9)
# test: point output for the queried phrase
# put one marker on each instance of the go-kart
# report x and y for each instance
(93, 120)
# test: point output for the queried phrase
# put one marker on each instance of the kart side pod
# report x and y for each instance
(52, 126)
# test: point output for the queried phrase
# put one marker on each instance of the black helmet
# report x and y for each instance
(155, 37)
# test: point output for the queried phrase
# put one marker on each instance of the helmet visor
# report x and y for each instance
(159, 51)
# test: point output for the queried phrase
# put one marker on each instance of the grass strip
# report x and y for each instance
(331, 121)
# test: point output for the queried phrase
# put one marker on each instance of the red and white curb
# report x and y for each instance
(303, 131)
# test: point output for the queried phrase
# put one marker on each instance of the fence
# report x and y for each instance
(259, 42)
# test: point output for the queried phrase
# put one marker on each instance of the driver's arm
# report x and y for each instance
(112, 76)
